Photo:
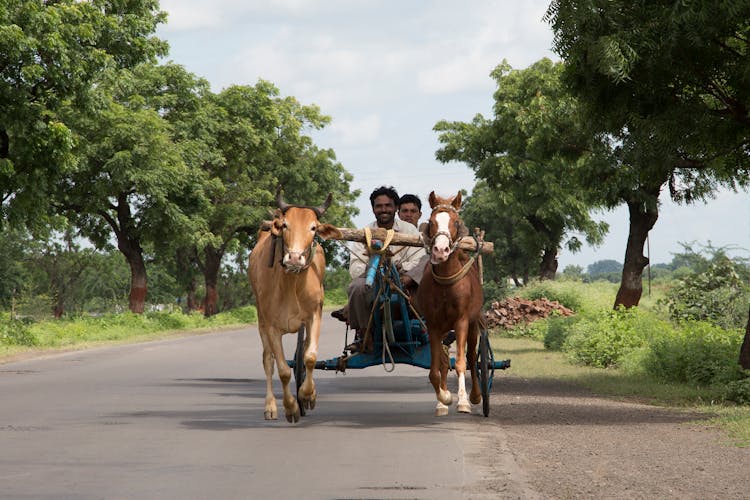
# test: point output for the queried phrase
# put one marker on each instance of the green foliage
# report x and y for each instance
(565, 293)
(557, 331)
(603, 339)
(738, 391)
(696, 352)
(717, 295)
(15, 332)
(494, 291)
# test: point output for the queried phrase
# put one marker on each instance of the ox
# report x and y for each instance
(450, 298)
(286, 270)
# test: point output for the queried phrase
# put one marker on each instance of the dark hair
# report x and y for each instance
(410, 198)
(389, 191)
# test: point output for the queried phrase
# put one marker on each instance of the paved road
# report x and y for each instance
(183, 419)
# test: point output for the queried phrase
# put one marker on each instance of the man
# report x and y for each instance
(384, 201)
(410, 209)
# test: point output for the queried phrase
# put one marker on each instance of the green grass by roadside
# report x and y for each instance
(531, 360)
(46, 337)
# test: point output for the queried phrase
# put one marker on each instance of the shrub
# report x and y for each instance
(695, 352)
(14, 332)
(558, 330)
(717, 295)
(603, 339)
(494, 291)
(738, 391)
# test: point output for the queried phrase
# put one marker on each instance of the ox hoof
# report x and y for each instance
(463, 408)
(270, 415)
(309, 403)
(441, 410)
(292, 416)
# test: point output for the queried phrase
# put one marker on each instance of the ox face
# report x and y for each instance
(297, 227)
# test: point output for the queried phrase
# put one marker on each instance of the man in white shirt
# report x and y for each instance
(384, 201)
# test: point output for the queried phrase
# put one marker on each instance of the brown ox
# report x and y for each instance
(450, 298)
(286, 271)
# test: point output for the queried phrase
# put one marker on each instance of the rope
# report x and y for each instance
(449, 280)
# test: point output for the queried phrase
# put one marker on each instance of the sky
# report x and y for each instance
(387, 71)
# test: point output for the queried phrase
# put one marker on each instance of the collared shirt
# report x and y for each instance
(405, 260)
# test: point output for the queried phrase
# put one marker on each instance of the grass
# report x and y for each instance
(86, 332)
(532, 361)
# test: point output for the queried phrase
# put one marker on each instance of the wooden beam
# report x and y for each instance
(409, 240)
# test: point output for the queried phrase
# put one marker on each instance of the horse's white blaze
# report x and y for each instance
(442, 244)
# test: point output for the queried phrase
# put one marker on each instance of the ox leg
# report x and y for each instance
(463, 405)
(438, 375)
(291, 408)
(307, 394)
(271, 411)
(471, 347)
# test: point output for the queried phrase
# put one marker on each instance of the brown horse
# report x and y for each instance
(450, 298)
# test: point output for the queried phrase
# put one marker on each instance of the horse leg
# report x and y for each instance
(307, 394)
(437, 378)
(475, 396)
(461, 328)
(291, 408)
(271, 411)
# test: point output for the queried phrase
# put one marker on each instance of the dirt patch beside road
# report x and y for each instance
(572, 444)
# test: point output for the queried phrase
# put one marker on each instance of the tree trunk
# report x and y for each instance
(133, 253)
(745, 349)
(548, 266)
(211, 276)
(59, 309)
(642, 219)
(192, 302)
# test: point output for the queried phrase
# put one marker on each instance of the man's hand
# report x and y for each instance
(406, 280)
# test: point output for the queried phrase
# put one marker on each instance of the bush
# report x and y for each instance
(14, 332)
(696, 352)
(738, 391)
(558, 330)
(494, 291)
(603, 339)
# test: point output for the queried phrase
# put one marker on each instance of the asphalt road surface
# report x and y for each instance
(183, 419)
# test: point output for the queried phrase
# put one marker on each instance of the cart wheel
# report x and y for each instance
(299, 364)
(485, 362)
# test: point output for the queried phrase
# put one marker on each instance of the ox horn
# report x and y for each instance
(280, 201)
(321, 209)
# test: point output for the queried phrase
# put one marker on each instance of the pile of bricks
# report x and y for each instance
(512, 311)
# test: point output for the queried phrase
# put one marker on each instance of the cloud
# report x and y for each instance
(357, 131)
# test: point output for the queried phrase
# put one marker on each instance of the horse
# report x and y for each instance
(450, 298)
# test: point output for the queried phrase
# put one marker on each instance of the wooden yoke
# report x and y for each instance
(410, 240)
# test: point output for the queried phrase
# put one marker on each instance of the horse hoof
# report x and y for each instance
(441, 410)
(463, 408)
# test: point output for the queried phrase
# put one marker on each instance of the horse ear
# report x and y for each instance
(457, 201)
(433, 202)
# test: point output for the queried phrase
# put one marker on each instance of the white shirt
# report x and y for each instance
(406, 260)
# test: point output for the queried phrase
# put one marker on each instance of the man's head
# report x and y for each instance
(384, 201)
(410, 209)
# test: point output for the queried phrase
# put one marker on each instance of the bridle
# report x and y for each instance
(454, 278)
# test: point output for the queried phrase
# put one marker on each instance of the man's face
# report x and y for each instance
(409, 212)
(384, 209)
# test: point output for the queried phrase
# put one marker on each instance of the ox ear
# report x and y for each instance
(457, 201)
(277, 224)
(328, 231)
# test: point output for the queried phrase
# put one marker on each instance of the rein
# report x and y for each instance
(453, 278)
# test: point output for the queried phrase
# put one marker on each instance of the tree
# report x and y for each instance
(128, 173)
(669, 86)
(527, 154)
(51, 52)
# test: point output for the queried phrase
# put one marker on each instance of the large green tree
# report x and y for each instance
(669, 85)
(129, 172)
(527, 154)
(50, 53)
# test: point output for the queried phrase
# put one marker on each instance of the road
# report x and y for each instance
(183, 418)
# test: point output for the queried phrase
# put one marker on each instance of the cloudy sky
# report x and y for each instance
(386, 71)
